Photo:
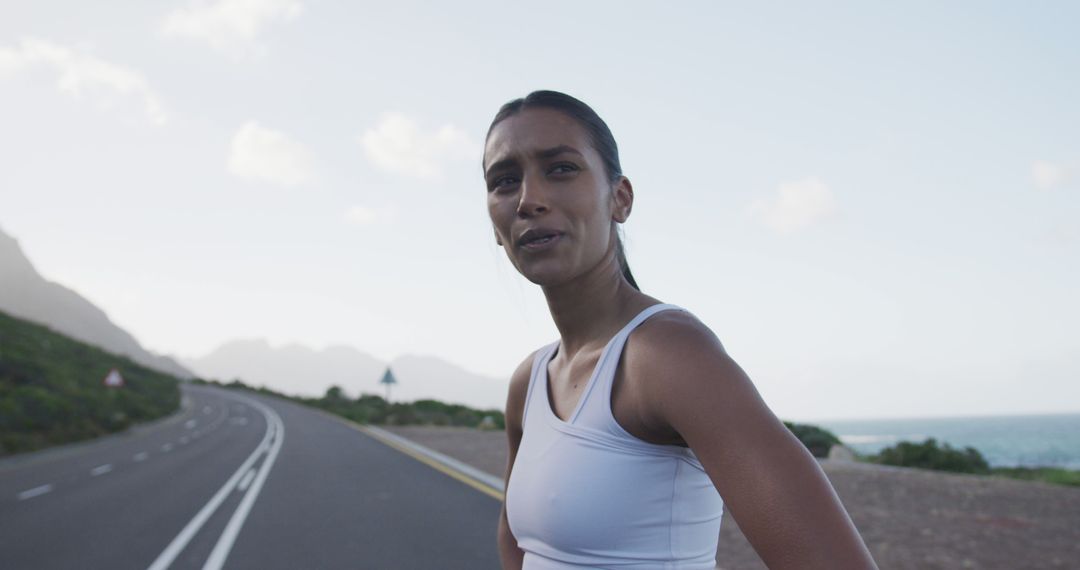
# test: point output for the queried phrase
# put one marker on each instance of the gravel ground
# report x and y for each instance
(909, 518)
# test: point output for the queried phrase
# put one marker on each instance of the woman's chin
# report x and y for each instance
(544, 276)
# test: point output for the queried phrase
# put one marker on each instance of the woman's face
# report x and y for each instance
(549, 197)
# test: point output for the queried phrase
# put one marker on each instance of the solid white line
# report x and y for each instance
(188, 532)
(140, 456)
(36, 491)
(246, 481)
(101, 470)
(232, 530)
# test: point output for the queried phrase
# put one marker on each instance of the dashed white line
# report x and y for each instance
(35, 492)
(184, 440)
(246, 480)
(190, 424)
(207, 409)
(140, 456)
(101, 470)
(167, 447)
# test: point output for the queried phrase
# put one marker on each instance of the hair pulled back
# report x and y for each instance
(599, 136)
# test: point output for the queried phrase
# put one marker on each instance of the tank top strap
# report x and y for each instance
(595, 411)
(536, 393)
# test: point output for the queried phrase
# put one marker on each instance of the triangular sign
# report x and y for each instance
(113, 379)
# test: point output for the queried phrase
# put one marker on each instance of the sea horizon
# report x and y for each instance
(1028, 440)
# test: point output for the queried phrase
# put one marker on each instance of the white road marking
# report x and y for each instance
(246, 481)
(101, 470)
(190, 424)
(167, 447)
(207, 409)
(35, 492)
(232, 530)
(140, 456)
(184, 440)
(221, 550)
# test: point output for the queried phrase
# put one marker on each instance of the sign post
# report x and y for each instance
(388, 380)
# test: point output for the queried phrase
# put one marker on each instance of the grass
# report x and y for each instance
(51, 389)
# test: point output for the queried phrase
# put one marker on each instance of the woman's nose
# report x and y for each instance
(533, 199)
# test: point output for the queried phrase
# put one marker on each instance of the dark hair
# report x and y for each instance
(599, 136)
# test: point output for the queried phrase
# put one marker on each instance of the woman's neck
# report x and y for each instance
(591, 309)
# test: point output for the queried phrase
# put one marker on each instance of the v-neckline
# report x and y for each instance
(592, 379)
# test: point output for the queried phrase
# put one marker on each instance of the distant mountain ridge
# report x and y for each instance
(26, 294)
(302, 371)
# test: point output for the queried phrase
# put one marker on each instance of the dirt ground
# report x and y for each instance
(909, 518)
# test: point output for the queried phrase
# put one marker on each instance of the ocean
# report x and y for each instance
(1005, 441)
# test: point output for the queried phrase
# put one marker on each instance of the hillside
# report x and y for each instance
(51, 389)
(24, 293)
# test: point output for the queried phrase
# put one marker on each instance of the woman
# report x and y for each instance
(630, 433)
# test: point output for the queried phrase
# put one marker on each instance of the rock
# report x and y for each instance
(841, 452)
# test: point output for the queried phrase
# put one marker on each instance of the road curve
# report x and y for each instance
(237, 480)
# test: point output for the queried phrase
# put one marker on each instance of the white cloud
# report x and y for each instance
(231, 26)
(397, 144)
(259, 153)
(80, 75)
(1047, 175)
(366, 216)
(796, 206)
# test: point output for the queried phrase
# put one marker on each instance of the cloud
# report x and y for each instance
(262, 154)
(398, 145)
(230, 26)
(796, 206)
(366, 216)
(80, 75)
(1047, 175)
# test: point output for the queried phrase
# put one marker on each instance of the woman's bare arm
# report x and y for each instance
(772, 485)
(509, 553)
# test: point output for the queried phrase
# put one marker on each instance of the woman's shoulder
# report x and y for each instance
(673, 335)
(673, 352)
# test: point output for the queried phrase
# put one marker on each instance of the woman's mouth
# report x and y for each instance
(539, 241)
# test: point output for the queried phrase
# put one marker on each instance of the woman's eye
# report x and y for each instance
(503, 182)
(563, 168)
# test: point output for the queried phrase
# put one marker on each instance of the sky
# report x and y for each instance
(873, 206)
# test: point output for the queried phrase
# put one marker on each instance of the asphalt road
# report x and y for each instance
(239, 481)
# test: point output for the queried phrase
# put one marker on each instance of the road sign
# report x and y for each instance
(113, 379)
(388, 380)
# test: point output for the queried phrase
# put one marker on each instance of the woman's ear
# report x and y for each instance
(622, 196)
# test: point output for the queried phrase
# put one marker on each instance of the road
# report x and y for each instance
(237, 480)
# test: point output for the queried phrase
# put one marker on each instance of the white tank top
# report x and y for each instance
(584, 493)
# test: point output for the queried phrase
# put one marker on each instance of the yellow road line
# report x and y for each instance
(494, 493)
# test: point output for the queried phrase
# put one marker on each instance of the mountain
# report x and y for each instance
(298, 370)
(26, 294)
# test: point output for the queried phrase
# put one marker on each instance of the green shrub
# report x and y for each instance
(929, 455)
(818, 440)
(372, 409)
